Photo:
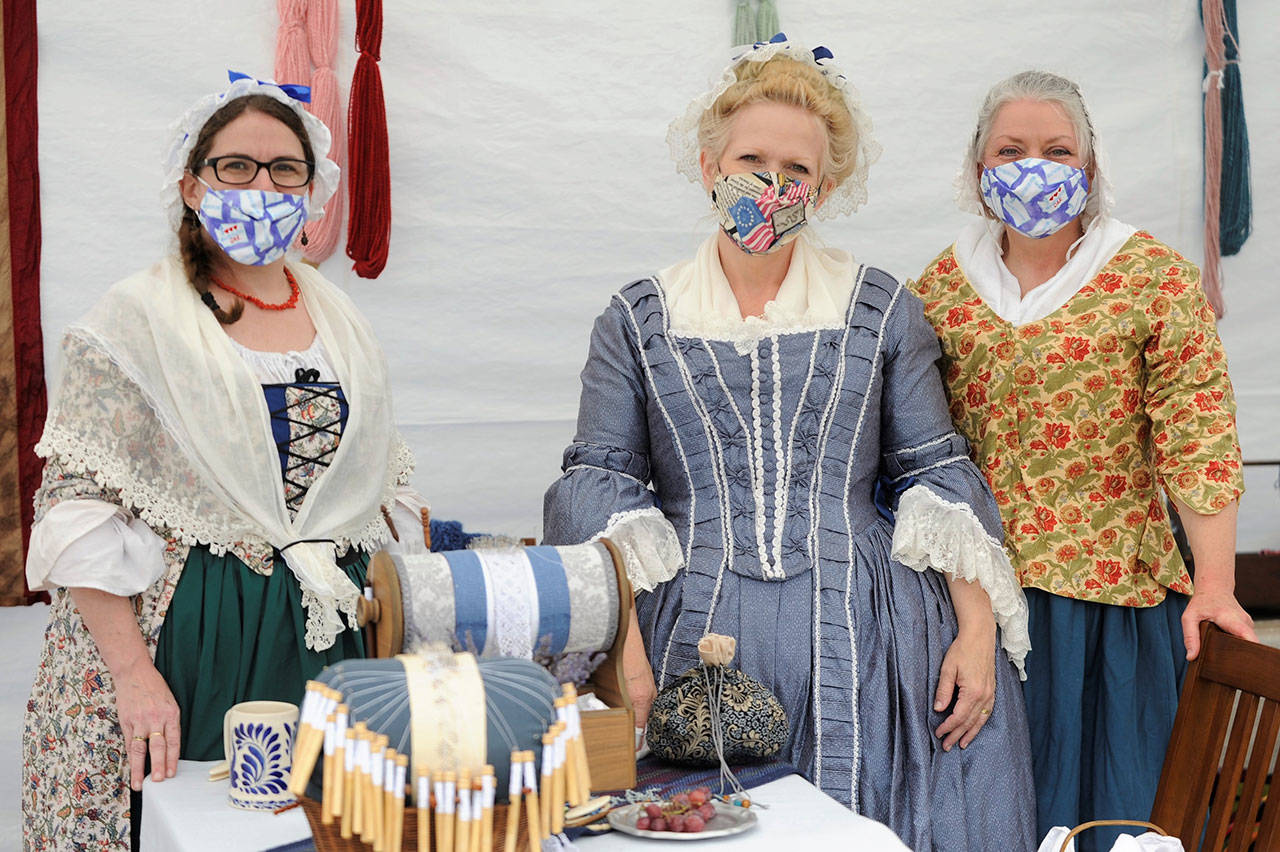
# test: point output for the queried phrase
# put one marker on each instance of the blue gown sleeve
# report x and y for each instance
(946, 518)
(604, 489)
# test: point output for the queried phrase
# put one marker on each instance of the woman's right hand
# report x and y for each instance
(149, 720)
(145, 706)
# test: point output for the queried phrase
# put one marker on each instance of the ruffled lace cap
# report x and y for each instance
(682, 133)
(814, 295)
(184, 131)
(948, 537)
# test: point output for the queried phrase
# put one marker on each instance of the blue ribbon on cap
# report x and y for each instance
(298, 93)
(819, 53)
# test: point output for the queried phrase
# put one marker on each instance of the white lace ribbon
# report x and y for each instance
(649, 546)
(931, 532)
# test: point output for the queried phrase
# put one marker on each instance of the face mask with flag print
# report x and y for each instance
(253, 226)
(761, 211)
(1033, 196)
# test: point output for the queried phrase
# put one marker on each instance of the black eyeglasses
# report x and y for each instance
(284, 171)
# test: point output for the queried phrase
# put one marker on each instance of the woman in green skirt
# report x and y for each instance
(218, 460)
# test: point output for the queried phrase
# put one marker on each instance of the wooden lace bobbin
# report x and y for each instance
(402, 771)
(546, 785)
(330, 749)
(374, 818)
(310, 738)
(446, 800)
(533, 809)
(462, 836)
(422, 801)
(360, 784)
(347, 811)
(333, 800)
(514, 786)
(388, 794)
(487, 790)
(558, 780)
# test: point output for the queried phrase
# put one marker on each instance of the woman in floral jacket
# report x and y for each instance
(1083, 365)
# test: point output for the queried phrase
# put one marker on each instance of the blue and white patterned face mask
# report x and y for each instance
(1035, 197)
(253, 226)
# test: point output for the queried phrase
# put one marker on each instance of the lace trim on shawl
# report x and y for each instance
(948, 537)
(170, 496)
(649, 546)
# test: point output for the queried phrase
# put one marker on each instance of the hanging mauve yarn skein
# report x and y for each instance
(369, 222)
(322, 39)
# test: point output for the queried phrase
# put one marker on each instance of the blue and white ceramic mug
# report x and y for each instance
(258, 740)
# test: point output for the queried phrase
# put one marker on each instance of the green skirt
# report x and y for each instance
(233, 635)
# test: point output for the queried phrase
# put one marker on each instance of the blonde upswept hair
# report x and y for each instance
(786, 81)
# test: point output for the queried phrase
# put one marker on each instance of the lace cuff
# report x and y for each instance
(649, 547)
(948, 537)
(93, 544)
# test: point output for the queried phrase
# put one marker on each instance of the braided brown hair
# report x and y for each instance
(197, 252)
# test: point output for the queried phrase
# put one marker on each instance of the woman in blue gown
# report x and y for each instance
(764, 433)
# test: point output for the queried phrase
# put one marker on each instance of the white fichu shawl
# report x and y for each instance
(156, 402)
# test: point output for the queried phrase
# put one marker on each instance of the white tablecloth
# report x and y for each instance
(188, 813)
(800, 817)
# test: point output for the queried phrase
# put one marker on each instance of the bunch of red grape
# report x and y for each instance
(685, 812)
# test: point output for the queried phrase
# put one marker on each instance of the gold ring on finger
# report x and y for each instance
(140, 737)
(986, 712)
(161, 733)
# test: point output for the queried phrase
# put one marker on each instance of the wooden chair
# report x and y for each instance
(1201, 784)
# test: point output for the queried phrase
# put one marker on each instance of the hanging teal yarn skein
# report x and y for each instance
(1235, 217)
(744, 25)
(767, 20)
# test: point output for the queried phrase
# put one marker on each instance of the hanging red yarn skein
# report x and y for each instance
(369, 221)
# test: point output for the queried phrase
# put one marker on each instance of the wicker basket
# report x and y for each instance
(1097, 823)
(328, 838)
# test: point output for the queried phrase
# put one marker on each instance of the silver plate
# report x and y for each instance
(729, 819)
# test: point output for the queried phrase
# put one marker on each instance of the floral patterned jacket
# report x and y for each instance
(1078, 419)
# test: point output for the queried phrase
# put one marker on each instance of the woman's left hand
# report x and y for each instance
(1222, 609)
(968, 672)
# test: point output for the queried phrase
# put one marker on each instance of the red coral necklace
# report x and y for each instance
(291, 302)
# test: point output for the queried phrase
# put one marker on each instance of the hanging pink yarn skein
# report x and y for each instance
(326, 105)
(292, 62)
(1215, 55)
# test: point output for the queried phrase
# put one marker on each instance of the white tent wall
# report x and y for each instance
(530, 179)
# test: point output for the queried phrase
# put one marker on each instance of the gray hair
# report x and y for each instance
(1048, 88)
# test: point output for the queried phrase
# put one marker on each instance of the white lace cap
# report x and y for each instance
(682, 134)
(1097, 208)
(186, 129)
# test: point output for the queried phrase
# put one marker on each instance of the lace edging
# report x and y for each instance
(931, 532)
(160, 508)
(649, 545)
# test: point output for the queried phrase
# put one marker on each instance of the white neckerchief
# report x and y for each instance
(814, 294)
(211, 470)
(981, 258)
